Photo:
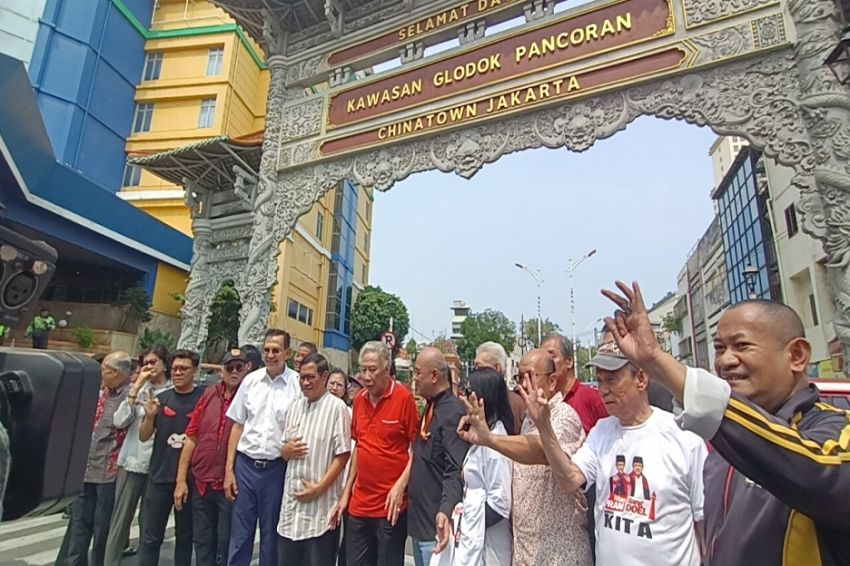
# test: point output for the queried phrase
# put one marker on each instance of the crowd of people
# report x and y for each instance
(659, 465)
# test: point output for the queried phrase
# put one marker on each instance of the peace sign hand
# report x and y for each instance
(630, 325)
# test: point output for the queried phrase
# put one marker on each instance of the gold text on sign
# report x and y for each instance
(576, 37)
(408, 89)
(463, 72)
(442, 19)
(458, 114)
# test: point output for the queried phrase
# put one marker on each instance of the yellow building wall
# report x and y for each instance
(240, 91)
(168, 280)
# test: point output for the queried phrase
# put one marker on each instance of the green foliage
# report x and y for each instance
(371, 316)
(585, 353)
(530, 329)
(152, 337)
(137, 302)
(487, 326)
(179, 297)
(223, 325)
(84, 336)
(673, 321)
(411, 347)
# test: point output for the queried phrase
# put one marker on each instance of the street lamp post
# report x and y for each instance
(574, 263)
(750, 275)
(539, 279)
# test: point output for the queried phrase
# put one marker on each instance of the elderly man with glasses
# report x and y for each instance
(207, 432)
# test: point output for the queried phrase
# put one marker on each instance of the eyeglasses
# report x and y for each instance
(180, 369)
(151, 362)
(230, 368)
(308, 378)
(335, 385)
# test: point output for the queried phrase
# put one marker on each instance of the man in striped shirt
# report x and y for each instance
(317, 445)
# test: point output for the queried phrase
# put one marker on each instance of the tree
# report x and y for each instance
(583, 355)
(530, 330)
(445, 345)
(411, 347)
(371, 316)
(487, 326)
(224, 318)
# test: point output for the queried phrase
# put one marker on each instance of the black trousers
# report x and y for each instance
(39, 341)
(316, 551)
(159, 501)
(210, 526)
(374, 542)
(89, 524)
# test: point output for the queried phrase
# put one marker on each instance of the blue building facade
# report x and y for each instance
(747, 234)
(341, 279)
(86, 63)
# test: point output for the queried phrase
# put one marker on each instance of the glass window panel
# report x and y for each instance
(216, 57)
(207, 116)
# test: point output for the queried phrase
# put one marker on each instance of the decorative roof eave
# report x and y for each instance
(209, 163)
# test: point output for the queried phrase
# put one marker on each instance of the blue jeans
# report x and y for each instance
(422, 551)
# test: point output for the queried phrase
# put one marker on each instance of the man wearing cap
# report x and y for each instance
(207, 432)
(630, 530)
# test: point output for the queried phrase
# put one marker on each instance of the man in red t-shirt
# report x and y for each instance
(584, 399)
(384, 427)
(205, 452)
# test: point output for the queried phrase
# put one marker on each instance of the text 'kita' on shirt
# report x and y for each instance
(260, 406)
(383, 433)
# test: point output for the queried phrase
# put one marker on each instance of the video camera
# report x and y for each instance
(47, 399)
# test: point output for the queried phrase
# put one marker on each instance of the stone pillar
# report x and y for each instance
(264, 247)
(195, 311)
(824, 178)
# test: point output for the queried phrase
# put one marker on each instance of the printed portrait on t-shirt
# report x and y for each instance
(639, 483)
(619, 483)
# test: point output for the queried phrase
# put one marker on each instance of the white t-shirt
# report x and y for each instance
(649, 491)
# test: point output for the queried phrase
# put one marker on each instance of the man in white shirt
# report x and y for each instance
(630, 531)
(254, 473)
(318, 445)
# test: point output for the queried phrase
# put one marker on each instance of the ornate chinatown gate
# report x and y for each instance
(753, 68)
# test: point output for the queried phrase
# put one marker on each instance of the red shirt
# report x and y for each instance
(196, 420)
(384, 434)
(588, 403)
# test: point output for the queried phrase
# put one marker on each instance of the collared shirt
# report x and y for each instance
(435, 475)
(106, 438)
(384, 433)
(776, 485)
(260, 406)
(325, 425)
(135, 455)
(196, 422)
(588, 403)
(550, 525)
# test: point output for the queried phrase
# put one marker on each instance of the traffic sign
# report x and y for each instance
(389, 339)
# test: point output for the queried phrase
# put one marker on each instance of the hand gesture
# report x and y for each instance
(444, 532)
(230, 489)
(151, 407)
(295, 449)
(181, 494)
(394, 500)
(536, 403)
(473, 427)
(145, 374)
(630, 325)
(310, 492)
(338, 512)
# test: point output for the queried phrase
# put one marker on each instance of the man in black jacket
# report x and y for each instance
(435, 476)
(778, 483)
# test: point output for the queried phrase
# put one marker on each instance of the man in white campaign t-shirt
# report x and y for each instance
(647, 472)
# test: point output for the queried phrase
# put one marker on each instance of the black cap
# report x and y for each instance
(234, 354)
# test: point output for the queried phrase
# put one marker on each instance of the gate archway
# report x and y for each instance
(752, 68)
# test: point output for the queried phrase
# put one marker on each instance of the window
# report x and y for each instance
(132, 176)
(363, 273)
(791, 221)
(207, 117)
(814, 308)
(368, 208)
(143, 117)
(300, 312)
(320, 226)
(214, 62)
(153, 66)
(366, 240)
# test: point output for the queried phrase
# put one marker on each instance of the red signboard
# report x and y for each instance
(559, 88)
(592, 32)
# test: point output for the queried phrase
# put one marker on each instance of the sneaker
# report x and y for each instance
(130, 551)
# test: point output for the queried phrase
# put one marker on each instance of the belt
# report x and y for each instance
(261, 464)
